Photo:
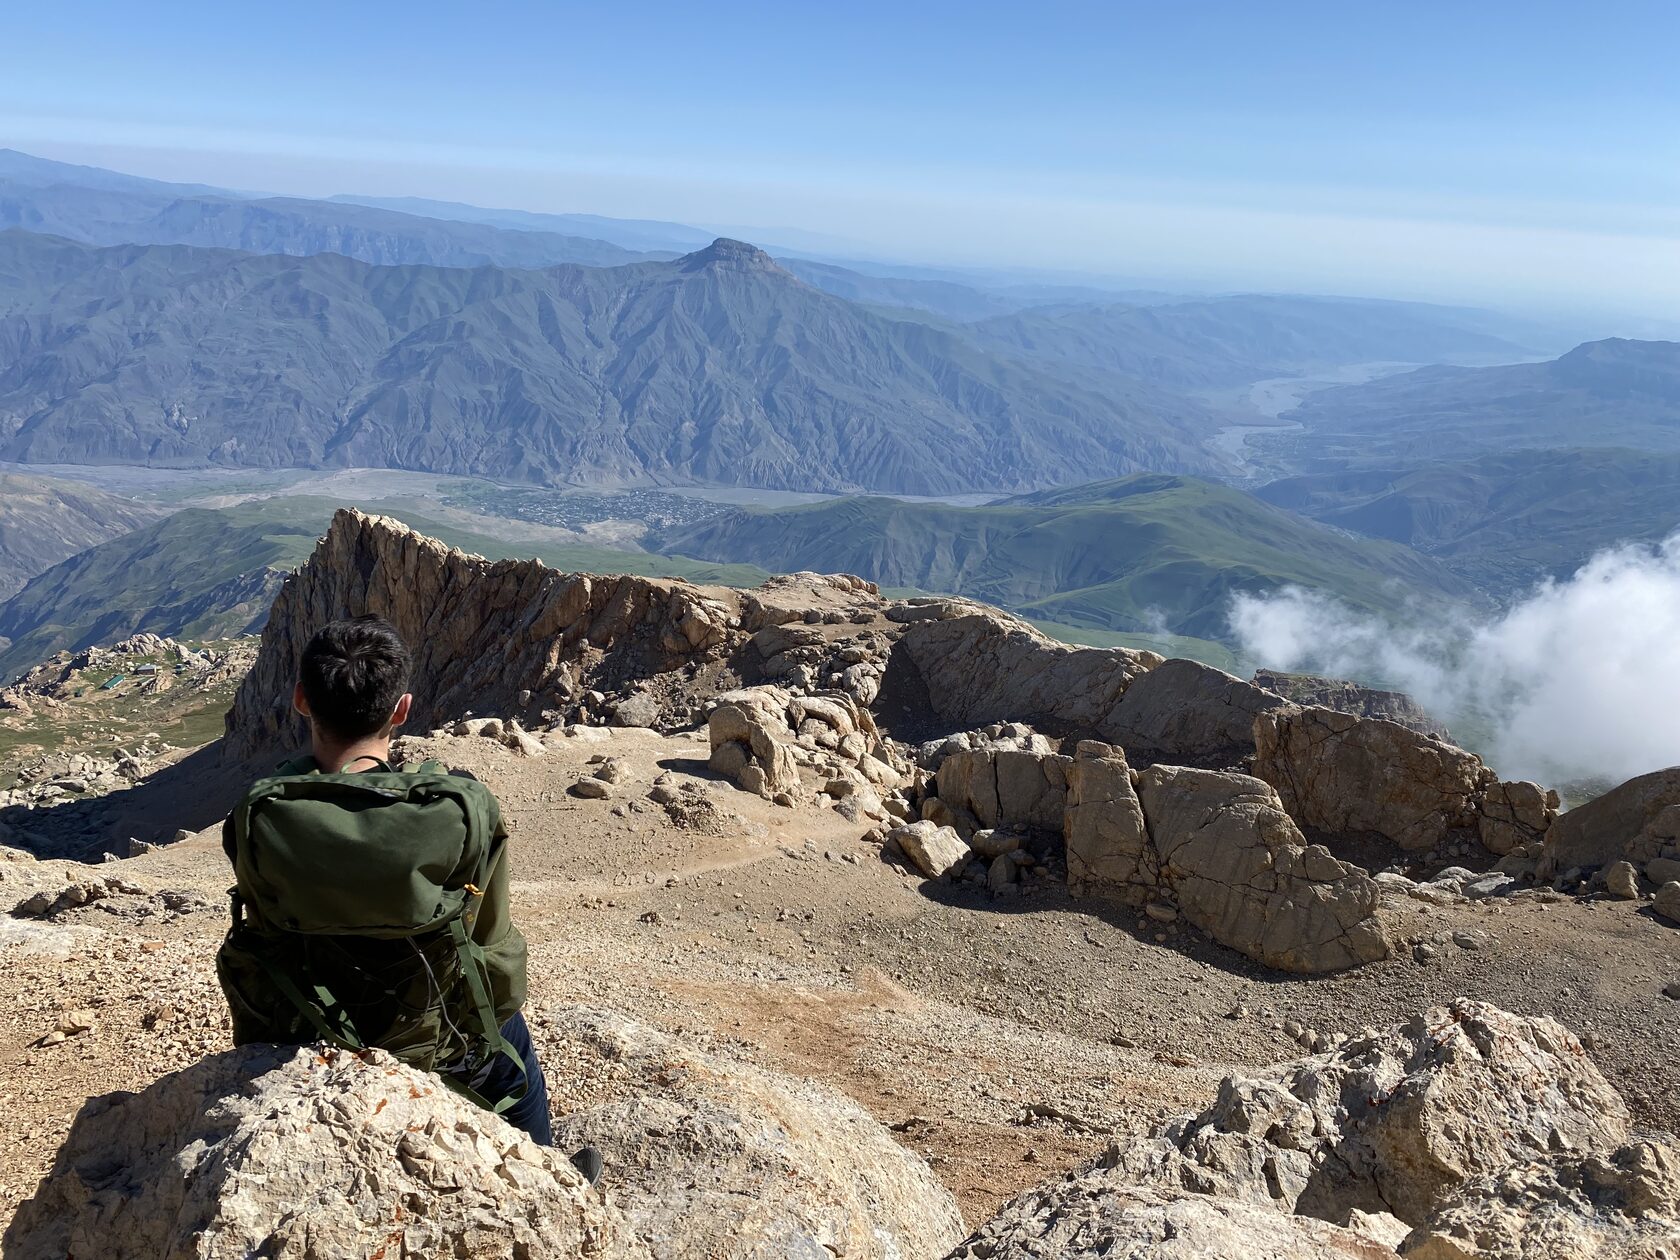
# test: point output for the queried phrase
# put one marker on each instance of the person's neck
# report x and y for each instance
(334, 757)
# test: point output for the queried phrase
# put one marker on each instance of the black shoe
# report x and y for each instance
(588, 1162)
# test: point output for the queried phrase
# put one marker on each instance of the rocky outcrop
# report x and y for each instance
(1217, 845)
(510, 637)
(1313, 691)
(1189, 714)
(1107, 840)
(1087, 1217)
(1463, 1125)
(712, 1159)
(980, 666)
(1396, 1121)
(1515, 817)
(792, 618)
(1624, 1205)
(1006, 786)
(763, 738)
(752, 743)
(1344, 775)
(311, 1154)
(1000, 736)
(1638, 822)
(1238, 868)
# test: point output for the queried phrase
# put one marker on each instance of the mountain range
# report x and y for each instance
(1614, 392)
(180, 326)
(100, 207)
(1221, 342)
(718, 366)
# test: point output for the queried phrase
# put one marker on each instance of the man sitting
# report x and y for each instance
(371, 905)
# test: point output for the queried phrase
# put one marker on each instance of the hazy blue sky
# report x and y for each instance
(1527, 152)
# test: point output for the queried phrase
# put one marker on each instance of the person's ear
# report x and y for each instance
(399, 715)
(300, 702)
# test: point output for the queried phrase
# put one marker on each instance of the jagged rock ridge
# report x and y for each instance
(1225, 850)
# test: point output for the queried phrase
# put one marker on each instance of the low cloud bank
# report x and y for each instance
(1580, 680)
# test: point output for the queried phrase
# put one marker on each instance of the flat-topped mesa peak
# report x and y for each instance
(730, 254)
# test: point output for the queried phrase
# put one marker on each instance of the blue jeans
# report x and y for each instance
(500, 1078)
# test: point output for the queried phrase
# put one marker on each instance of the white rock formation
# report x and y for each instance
(712, 1159)
(300, 1154)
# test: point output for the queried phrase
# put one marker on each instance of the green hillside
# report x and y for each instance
(212, 573)
(1505, 520)
(44, 520)
(1144, 554)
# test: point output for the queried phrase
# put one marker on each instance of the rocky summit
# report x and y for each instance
(863, 927)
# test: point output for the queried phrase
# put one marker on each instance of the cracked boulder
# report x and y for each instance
(762, 736)
(1189, 714)
(1624, 1205)
(1240, 869)
(713, 1159)
(1638, 822)
(751, 741)
(1003, 785)
(1347, 775)
(980, 666)
(1087, 1217)
(1397, 1121)
(308, 1154)
(1107, 841)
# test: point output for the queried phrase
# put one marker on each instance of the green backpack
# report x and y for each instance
(371, 910)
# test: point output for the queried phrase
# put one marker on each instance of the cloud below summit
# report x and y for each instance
(1579, 680)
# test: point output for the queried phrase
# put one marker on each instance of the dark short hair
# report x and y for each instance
(353, 673)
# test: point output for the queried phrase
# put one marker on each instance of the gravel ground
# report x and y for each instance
(1001, 1038)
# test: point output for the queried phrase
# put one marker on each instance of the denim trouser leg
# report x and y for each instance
(501, 1078)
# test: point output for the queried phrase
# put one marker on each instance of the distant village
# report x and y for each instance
(567, 509)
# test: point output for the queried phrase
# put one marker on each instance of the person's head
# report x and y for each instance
(353, 681)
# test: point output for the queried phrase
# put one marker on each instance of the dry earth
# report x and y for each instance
(1000, 1038)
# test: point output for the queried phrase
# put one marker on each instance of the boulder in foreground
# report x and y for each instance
(714, 1159)
(1480, 1130)
(1084, 1218)
(296, 1153)
(1620, 1206)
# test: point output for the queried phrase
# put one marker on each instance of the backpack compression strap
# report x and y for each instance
(473, 969)
(332, 1023)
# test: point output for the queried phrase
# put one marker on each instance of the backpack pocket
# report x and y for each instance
(357, 859)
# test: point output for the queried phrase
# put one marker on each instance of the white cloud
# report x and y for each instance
(1581, 679)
